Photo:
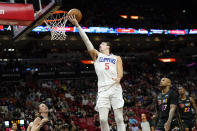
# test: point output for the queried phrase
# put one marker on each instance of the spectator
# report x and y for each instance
(145, 125)
(14, 127)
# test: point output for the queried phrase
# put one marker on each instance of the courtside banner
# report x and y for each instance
(193, 31)
(126, 30)
(178, 32)
(16, 14)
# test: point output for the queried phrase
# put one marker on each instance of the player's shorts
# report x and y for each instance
(112, 97)
(188, 123)
(160, 125)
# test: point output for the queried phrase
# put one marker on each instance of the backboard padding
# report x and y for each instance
(20, 31)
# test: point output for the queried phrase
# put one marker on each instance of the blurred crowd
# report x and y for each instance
(151, 14)
(71, 101)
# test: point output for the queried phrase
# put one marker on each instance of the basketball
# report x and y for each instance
(77, 14)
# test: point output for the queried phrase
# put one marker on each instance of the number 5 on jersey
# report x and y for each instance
(106, 66)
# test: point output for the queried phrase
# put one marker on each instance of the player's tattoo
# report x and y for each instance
(172, 112)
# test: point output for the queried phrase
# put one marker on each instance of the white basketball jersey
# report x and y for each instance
(105, 67)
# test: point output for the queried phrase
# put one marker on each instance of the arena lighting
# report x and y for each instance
(10, 50)
(87, 61)
(167, 60)
(134, 17)
(6, 123)
(124, 16)
(192, 64)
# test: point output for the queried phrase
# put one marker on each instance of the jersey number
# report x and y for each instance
(164, 107)
(106, 66)
(186, 109)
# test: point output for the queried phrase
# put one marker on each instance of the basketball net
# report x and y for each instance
(56, 24)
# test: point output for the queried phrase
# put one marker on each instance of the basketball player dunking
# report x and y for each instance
(109, 71)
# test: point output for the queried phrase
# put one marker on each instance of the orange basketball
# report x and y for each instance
(75, 12)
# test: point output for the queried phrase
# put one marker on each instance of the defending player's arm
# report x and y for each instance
(119, 70)
(38, 123)
(173, 105)
(92, 51)
(155, 117)
(156, 114)
(194, 106)
(171, 115)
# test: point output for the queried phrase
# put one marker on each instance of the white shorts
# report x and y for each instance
(112, 97)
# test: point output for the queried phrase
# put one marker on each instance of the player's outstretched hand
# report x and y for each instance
(73, 20)
(167, 126)
(154, 116)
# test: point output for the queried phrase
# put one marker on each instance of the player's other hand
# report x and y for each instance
(117, 80)
(167, 126)
(154, 116)
(72, 19)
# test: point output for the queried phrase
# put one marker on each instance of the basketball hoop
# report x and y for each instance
(56, 23)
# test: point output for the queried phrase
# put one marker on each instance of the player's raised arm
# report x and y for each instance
(92, 51)
(173, 106)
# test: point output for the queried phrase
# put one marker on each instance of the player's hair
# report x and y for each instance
(38, 108)
(109, 44)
